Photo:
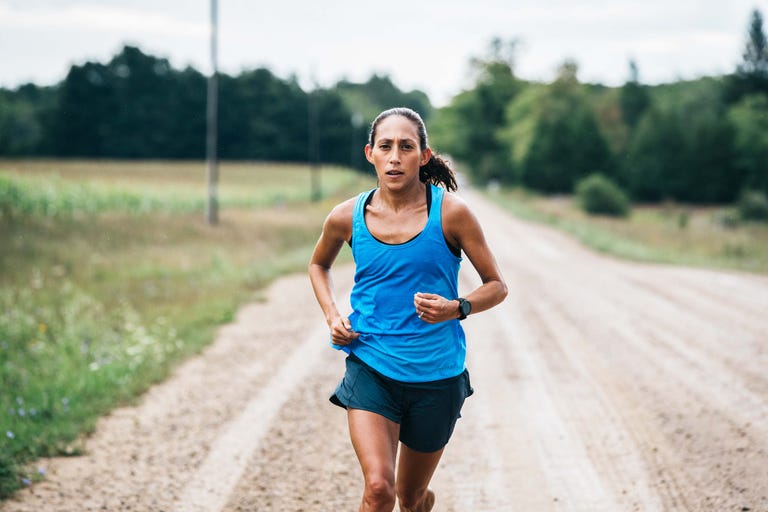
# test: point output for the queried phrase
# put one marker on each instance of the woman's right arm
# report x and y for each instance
(337, 230)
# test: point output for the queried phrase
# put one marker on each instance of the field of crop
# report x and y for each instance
(109, 276)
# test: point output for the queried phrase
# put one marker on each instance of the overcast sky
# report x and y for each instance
(420, 44)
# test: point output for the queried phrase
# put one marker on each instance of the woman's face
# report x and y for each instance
(396, 153)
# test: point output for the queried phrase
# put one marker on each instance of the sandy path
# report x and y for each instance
(600, 386)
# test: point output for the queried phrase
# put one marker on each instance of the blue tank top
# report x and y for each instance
(393, 339)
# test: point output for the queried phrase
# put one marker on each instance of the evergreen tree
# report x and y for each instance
(755, 56)
(633, 98)
(751, 75)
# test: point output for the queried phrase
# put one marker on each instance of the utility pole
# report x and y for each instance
(314, 146)
(212, 208)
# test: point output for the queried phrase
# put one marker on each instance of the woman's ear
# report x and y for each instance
(426, 155)
(368, 155)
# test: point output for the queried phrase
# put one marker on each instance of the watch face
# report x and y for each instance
(465, 307)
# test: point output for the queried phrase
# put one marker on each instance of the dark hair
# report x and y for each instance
(437, 170)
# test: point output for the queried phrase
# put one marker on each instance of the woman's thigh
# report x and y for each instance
(375, 440)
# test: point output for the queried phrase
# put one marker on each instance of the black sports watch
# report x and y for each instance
(465, 308)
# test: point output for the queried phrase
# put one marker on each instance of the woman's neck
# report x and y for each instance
(397, 200)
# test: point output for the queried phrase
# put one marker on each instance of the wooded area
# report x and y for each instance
(699, 141)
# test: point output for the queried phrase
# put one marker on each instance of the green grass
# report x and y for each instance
(667, 233)
(109, 277)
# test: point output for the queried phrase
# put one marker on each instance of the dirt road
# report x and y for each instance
(600, 385)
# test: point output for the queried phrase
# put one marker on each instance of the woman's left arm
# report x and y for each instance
(462, 229)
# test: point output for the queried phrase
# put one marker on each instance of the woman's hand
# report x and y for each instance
(433, 308)
(341, 331)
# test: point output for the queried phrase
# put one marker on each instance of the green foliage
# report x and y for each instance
(263, 118)
(634, 98)
(138, 106)
(756, 48)
(751, 76)
(753, 205)
(599, 195)
(521, 118)
(23, 116)
(683, 150)
(655, 156)
(472, 123)
(750, 120)
(66, 360)
(567, 143)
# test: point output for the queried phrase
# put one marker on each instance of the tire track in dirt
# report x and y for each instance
(211, 485)
(698, 424)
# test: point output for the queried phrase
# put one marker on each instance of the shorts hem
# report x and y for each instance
(335, 400)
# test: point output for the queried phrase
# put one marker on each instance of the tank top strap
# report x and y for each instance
(434, 221)
(358, 216)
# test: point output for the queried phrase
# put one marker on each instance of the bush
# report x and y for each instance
(753, 205)
(597, 194)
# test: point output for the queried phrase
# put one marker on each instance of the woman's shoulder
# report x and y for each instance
(454, 207)
(343, 211)
(339, 220)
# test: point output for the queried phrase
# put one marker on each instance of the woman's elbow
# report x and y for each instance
(503, 291)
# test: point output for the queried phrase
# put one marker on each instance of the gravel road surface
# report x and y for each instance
(600, 385)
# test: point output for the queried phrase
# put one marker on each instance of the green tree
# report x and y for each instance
(683, 152)
(750, 120)
(521, 120)
(751, 75)
(655, 156)
(83, 121)
(755, 57)
(471, 126)
(567, 143)
(262, 117)
(633, 97)
(143, 122)
(23, 116)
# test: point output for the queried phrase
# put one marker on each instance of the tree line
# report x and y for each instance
(698, 141)
(139, 106)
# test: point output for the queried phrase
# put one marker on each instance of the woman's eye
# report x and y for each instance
(407, 147)
(383, 146)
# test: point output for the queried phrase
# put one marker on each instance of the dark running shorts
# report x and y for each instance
(426, 411)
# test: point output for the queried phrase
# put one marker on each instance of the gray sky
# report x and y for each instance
(424, 44)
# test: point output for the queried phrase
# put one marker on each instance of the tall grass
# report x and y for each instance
(665, 233)
(109, 277)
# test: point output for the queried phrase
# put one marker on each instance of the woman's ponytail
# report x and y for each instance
(438, 171)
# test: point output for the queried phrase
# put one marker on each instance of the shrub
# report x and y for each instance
(599, 195)
(753, 205)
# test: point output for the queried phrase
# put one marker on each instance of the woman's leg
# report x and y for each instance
(414, 472)
(375, 440)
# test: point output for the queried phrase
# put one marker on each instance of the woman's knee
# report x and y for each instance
(380, 489)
